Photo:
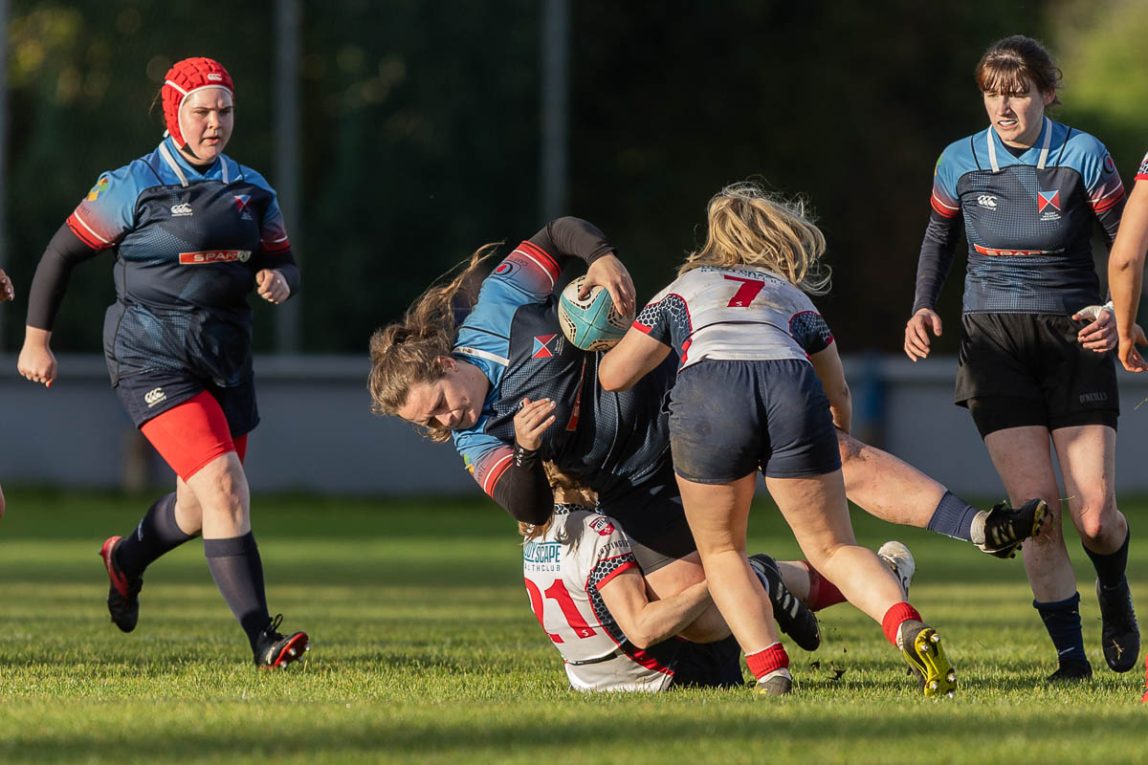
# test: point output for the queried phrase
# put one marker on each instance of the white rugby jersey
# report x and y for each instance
(563, 569)
(738, 313)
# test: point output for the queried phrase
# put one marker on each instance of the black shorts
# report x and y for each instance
(651, 513)
(1020, 369)
(731, 418)
(703, 665)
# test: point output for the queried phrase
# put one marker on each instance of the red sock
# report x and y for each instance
(898, 614)
(822, 592)
(767, 660)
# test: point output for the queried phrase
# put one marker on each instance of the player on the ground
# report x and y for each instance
(461, 373)
(760, 387)
(1035, 363)
(193, 234)
(587, 591)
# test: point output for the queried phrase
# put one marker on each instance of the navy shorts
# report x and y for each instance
(158, 360)
(729, 419)
(148, 394)
(1021, 369)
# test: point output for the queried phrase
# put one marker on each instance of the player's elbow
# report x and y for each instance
(611, 378)
(639, 637)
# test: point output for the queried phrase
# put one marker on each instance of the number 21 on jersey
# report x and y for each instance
(558, 593)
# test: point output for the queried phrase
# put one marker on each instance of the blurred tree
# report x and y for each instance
(421, 130)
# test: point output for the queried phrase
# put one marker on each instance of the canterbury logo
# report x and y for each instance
(181, 210)
(214, 256)
(214, 77)
(988, 201)
(154, 396)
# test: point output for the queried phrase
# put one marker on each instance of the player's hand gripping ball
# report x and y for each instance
(591, 323)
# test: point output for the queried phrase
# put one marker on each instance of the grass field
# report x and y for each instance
(425, 650)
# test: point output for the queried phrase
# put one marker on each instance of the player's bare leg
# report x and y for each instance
(893, 490)
(1023, 459)
(718, 515)
(1087, 456)
(816, 510)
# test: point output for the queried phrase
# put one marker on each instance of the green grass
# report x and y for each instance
(425, 650)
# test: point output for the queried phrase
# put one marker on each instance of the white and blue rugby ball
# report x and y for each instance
(592, 324)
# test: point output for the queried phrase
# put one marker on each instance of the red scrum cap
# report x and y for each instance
(184, 78)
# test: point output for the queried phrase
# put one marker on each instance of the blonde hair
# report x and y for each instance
(411, 351)
(566, 491)
(748, 226)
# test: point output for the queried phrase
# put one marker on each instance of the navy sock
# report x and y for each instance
(1110, 568)
(1062, 620)
(238, 572)
(156, 535)
(953, 518)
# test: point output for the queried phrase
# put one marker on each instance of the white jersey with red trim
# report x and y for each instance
(580, 552)
(738, 313)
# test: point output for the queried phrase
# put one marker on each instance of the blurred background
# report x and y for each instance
(403, 134)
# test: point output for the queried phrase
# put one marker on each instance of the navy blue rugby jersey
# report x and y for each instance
(1028, 220)
(607, 441)
(187, 243)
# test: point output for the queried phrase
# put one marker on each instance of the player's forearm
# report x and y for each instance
(663, 619)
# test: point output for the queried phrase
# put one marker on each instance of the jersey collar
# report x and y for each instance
(1045, 131)
(220, 170)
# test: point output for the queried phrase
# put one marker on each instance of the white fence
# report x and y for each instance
(318, 434)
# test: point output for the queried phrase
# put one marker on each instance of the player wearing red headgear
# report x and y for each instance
(193, 233)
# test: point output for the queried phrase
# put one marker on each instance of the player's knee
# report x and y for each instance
(851, 449)
(1095, 525)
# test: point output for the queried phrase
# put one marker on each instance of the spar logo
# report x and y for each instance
(241, 202)
(545, 347)
(1048, 204)
(207, 257)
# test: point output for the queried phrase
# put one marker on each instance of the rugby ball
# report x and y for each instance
(590, 323)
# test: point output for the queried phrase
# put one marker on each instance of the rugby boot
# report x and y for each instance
(774, 684)
(1007, 527)
(793, 617)
(921, 649)
(274, 650)
(900, 561)
(123, 592)
(1071, 671)
(1120, 634)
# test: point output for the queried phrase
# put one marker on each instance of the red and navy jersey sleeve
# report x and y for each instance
(811, 331)
(938, 248)
(664, 314)
(486, 457)
(1101, 182)
(272, 228)
(529, 271)
(108, 211)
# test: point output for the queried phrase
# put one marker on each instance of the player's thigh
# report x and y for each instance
(815, 509)
(1022, 457)
(718, 513)
(1087, 458)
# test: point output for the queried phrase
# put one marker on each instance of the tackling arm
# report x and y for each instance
(630, 360)
(647, 622)
(1126, 270)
